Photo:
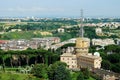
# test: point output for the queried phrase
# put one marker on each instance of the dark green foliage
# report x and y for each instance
(86, 73)
(116, 67)
(114, 58)
(114, 36)
(110, 61)
(106, 64)
(90, 32)
(68, 45)
(40, 70)
(61, 73)
(80, 76)
(27, 57)
(1, 28)
(58, 71)
(95, 76)
(112, 48)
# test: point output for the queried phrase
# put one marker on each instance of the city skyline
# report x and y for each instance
(59, 8)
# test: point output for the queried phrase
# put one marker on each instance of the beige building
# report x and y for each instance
(81, 56)
(82, 45)
(70, 60)
(90, 61)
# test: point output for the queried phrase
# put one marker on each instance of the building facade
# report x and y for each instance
(102, 42)
(81, 56)
(70, 60)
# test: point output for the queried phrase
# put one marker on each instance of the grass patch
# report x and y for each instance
(75, 74)
(17, 76)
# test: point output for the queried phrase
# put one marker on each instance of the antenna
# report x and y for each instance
(81, 32)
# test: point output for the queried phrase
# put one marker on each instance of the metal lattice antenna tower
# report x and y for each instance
(81, 32)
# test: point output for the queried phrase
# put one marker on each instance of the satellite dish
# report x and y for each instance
(97, 54)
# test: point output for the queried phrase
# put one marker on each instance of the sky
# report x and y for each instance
(59, 8)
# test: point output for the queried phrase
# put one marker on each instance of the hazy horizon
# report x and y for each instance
(60, 8)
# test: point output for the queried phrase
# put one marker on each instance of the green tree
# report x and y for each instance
(114, 58)
(52, 71)
(80, 76)
(111, 48)
(106, 64)
(61, 73)
(86, 73)
(40, 70)
(68, 45)
(116, 67)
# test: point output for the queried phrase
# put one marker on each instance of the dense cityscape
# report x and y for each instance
(30, 43)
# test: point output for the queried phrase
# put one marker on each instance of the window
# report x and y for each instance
(96, 62)
(72, 66)
(68, 66)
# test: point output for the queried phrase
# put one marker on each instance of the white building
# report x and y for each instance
(98, 31)
(118, 41)
(61, 30)
(102, 42)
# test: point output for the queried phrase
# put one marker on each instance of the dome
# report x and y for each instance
(97, 54)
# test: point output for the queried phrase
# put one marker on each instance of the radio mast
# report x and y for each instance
(81, 32)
